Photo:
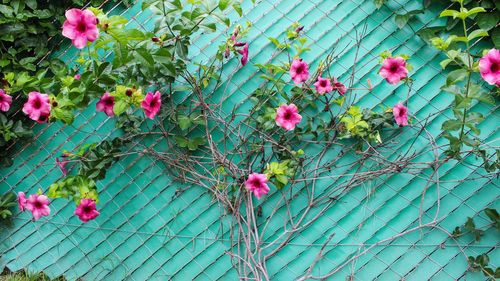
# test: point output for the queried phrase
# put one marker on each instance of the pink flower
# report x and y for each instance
(257, 183)
(5, 101)
(339, 87)
(37, 107)
(489, 67)
(21, 201)
(77, 76)
(38, 205)
(299, 70)
(244, 53)
(323, 85)
(86, 211)
(61, 164)
(105, 104)
(287, 116)
(151, 104)
(400, 114)
(394, 70)
(80, 26)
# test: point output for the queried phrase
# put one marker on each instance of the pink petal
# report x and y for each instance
(69, 30)
(73, 15)
(80, 41)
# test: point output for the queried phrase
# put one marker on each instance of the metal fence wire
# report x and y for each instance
(149, 230)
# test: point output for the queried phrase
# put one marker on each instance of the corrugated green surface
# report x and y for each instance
(146, 232)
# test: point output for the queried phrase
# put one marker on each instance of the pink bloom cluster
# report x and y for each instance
(5, 101)
(257, 183)
(62, 164)
(37, 204)
(106, 104)
(86, 211)
(242, 45)
(287, 116)
(400, 114)
(299, 71)
(394, 70)
(37, 107)
(81, 27)
(151, 104)
(489, 67)
(324, 85)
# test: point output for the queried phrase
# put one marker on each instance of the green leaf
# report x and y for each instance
(237, 8)
(282, 179)
(449, 13)
(477, 33)
(487, 21)
(451, 125)
(492, 214)
(66, 116)
(135, 35)
(120, 107)
(456, 76)
(185, 122)
(223, 4)
(474, 11)
(402, 19)
(145, 57)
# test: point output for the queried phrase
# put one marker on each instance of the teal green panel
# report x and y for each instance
(152, 228)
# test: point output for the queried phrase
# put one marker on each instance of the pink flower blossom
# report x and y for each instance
(400, 114)
(151, 104)
(38, 205)
(106, 104)
(257, 183)
(394, 70)
(244, 53)
(287, 116)
(339, 87)
(5, 101)
(77, 76)
(37, 107)
(489, 67)
(323, 85)
(86, 211)
(62, 166)
(21, 201)
(80, 26)
(299, 71)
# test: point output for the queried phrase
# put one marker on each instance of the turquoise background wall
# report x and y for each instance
(149, 231)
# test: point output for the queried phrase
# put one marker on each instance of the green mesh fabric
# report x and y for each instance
(148, 230)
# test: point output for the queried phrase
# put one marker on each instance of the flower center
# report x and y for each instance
(1, 98)
(37, 104)
(109, 102)
(256, 183)
(300, 69)
(322, 83)
(38, 205)
(81, 27)
(288, 115)
(87, 209)
(495, 67)
(152, 103)
(394, 68)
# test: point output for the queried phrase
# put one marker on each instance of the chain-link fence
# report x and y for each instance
(152, 228)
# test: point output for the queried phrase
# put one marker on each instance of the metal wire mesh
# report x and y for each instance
(149, 230)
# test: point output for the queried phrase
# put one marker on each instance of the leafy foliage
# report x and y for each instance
(7, 201)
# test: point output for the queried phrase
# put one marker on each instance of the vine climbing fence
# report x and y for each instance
(384, 212)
